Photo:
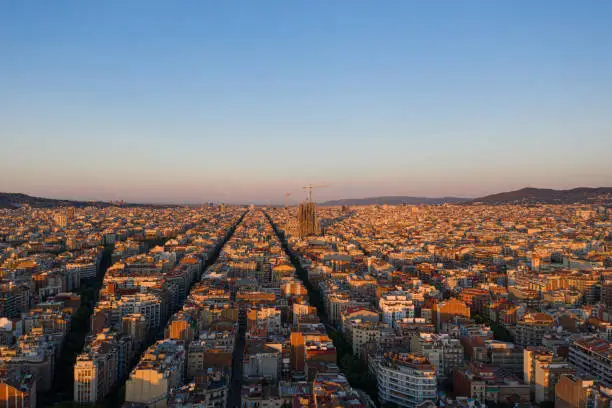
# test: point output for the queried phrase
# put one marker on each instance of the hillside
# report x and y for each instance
(531, 195)
(394, 200)
(14, 200)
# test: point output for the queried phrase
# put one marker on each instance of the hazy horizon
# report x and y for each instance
(294, 199)
(241, 102)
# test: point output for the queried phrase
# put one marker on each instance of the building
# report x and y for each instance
(14, 299)
(533, 356)
(394, 307)
(334, 390)
(160, 370)
(606, 294)
(442, 351)
(135, 326)
(505, 355)
(362, 334)
(477, 299)
(17, 388)
(261, 361)
(404, 379)
(573, 391)
(102, 364)
(530, 330)
(61, 219)
(360, 314)
(85, 270)
(308, 223)
(484, 382)
(448, 311)
(213, 349)
(592, 356)
(547, 375)
(209, 390)
(92, 377)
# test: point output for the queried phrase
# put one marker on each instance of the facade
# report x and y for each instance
(441, 350)
(484, 382)
(573, 391)
(505, 355)
(532, 357)
(530, 330)
(90, 379)
(159, 371)
(102, 364)
(261, 361)
(394, 307)
(448, 311)
(17, 388)
(606, 294)
(84, 270)
(209, 390)
(547, 375)
(405, 379)
(592, 356)
(362, 334)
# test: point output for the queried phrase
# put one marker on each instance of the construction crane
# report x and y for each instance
(309, 187)
(287, 199)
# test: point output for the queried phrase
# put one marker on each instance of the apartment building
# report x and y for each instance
(103, 363)
(159, 371)
(404, 379)
(530, 330)
(209, 390)
(442, 351)
(592, 356)
(261, 360)
(505, 355)
(395, 307)
(85, 270)
(573, 391)
(448, 311)
(362, 334)
(17, 388)
(484, 382)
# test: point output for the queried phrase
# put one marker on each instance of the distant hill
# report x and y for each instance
(395, 200)
(531, 195)
(15, 200)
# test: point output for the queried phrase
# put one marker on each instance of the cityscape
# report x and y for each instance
(306, 204)
(310, 306)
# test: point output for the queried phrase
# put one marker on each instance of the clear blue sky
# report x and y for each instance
(245, 100)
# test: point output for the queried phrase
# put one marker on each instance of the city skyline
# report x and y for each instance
(150, 102)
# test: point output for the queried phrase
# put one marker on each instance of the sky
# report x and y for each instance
(243, 101)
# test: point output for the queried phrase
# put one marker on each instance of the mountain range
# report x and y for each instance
(528, 195)
(395, 200)
(15, 200)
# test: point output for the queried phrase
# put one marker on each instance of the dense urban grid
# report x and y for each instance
(309, 306)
